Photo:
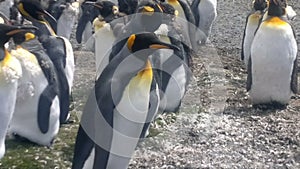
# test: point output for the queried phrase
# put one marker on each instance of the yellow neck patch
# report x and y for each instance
(7, 58)
(130, 42)
(276, 21)
(146, 74)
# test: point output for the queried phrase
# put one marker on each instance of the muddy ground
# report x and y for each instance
(216, 127)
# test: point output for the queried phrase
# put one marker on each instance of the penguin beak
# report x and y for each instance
(162, 45)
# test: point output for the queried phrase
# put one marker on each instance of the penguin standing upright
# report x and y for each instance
(205, 12)
(252, 22)
(10, 72)
(127, 99)
(272, 66)
(172, 66)
(59, 49)
(38, 87)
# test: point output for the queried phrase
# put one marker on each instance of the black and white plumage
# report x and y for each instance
(272, 67)
(38, 87)
(127, 99)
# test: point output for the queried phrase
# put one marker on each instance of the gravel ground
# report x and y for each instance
(216, 126)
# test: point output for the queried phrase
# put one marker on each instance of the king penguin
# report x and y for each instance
(127, 100)
(205, 12)
(172, 66)
(252, 22)
(38, 87)
(59, 49)
(10, 73)
(272, 67)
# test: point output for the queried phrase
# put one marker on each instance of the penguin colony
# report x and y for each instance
(143, 57)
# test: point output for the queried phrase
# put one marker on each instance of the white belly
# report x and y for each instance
(272, 65)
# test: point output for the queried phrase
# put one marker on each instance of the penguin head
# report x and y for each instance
(277, 8)
(147, 40)
(105, 8)
(148, 7)
(260, 5)
(169, 11)
(22, 37)
(128, 6)
(8, 31)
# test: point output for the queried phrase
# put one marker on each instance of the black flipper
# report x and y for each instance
(51, 91)
(55, 48)
(194, 8)
(249, 77)
(242, 53)
(154, 103)
(294, 78)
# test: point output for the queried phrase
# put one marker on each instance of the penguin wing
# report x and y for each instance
(194, 8)
(153, 107)
(249, 76)
(243, 41)
(294, 78)
(187, 11)
(51, 91)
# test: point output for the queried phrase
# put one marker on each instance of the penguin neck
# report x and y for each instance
(6, 58)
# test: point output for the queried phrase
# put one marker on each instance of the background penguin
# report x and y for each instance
(172, 66)
(5, 5)
(67, 19)
(205, 12)
(252, 22)
(59, 49)
(106, 9)
(10, 72)
(272, 67)
(126, 77)
(38, 87)
(103, 37)
(147, 18)
(185, 20)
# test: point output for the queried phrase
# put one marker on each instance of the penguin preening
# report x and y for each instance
(59, 49)
(252, 22)
(38, 87)
(272, 67)
(10, 72)
(126, 98)
(205, 12)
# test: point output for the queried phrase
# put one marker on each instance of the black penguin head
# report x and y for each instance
(260, 5)
(22, 37)
(148, 7)
(169, 11)
(8, 31)
(34, 11)
(128, 6)
(277, 7)
(106, 8)
(147, 40)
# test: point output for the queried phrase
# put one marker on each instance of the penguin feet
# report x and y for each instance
(272, 105)
(22, 139)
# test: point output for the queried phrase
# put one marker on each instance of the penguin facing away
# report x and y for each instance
(252, 22)
(38, 87)
(127, 97)
(10, 73)
(272, 67)
(59, 49)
